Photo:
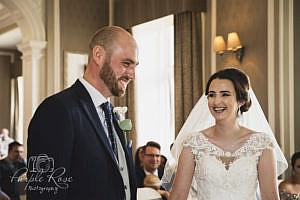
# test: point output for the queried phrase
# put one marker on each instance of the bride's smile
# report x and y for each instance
(222, 100)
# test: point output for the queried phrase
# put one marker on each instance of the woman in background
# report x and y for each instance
(138, 158)
(290, 188)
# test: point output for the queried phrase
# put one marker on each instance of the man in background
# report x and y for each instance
(11, 168)
(151, 163)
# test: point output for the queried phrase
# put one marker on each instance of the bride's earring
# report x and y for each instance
(239, 113)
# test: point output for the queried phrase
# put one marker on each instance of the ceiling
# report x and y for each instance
(10, 33)
(9, 39)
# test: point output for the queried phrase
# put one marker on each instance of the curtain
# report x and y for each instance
(128, 100)
(188, 64)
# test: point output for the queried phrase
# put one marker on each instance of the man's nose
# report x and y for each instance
(131, 72)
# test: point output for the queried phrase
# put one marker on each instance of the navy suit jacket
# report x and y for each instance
(69, 156)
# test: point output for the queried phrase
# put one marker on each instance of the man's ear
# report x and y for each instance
(99, 55)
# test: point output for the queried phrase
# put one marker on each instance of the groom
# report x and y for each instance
(75, 148)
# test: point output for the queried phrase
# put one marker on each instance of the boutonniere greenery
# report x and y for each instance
(124, 124)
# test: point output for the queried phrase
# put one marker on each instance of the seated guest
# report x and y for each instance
(163, 161)
(5, 140)
(11, 168)
(150, 191)
(151, 163)
(138, 158)
(153, 181)
(289, 189)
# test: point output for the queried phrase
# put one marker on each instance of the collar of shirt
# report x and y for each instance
(148, 173)
(96, 96)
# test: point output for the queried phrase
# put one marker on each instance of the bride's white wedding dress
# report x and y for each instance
(227, 175)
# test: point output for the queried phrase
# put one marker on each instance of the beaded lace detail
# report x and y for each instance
(289, 196)
(223, 175)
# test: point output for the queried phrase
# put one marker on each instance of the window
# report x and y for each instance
(155, 82)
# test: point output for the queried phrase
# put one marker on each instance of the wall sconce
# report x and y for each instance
(233, 45)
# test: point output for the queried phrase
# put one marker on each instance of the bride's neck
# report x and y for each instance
(296, 179)
(227, 130)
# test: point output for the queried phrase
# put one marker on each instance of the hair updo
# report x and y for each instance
(295, 157)
(241, 85)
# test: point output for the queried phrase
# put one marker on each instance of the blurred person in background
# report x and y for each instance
(11, 168)
(151, 163)
(5, 140)
(289, 189)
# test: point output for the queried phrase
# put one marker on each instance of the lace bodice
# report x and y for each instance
(289, 196)
(223, 175)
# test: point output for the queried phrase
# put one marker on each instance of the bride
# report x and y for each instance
(223, 151)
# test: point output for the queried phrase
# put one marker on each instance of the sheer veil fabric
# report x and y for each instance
(200, 118)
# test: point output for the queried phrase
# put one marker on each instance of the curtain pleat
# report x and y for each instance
(15, 109)
(128, 100)
(188, 64)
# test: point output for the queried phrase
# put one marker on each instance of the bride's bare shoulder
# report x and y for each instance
(247, 131)
(208, 132)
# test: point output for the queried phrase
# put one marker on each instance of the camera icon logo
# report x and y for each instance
(41, 163)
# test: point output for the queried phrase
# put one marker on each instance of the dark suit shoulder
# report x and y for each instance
(65, 94)
(53, 119)
(160, 172)
(140, 175)
(67, 98)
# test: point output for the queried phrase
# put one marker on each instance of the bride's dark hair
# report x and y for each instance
(241, 85)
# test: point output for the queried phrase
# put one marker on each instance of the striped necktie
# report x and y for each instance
(107, 108)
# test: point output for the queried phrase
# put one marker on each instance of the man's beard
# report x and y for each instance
(109, 78)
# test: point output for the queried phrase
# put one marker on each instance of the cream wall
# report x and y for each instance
(297, 72)
(10, 67)
(79, 20)
(238, 16)
(5, 71)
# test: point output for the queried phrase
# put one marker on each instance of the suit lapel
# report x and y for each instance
(121, 135)
(91, 113)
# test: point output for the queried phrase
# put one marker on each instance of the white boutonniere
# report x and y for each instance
(124, 124)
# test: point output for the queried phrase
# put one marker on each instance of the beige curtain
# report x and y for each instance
(188, 64)
(128, 100)
(16, 122)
